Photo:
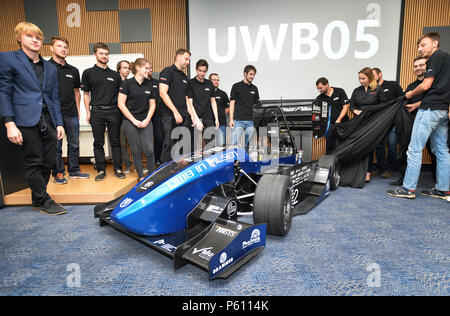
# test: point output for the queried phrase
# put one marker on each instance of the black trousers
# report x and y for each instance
(39, 151)
(168, 125)
(100, 121)
(331, 139)
(158, 136)
(140, 139)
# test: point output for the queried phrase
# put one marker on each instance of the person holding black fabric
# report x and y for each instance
(390, 90)
(419, 68)
(137, 103)
(30, 110)
(201, 98)
(70, 97)
(223, 108)
(339, 102)
(431, 122)
(176, 112)
(364, 96)
(101, 87)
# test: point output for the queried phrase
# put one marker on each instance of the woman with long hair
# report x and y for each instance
(367, 94)
(138, 104)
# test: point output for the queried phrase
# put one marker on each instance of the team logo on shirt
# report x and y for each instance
(218, 98)
(252, 92)
(69, 76)
(163, 79)
(336, 98)
(207, 89)
(110, 79)
(148, 92)
(185, 81)
(385, 90)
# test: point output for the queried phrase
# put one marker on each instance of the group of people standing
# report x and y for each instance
(40, 103)
(428, 100)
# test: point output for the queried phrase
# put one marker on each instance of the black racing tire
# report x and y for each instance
(329, 161)
(272, 204)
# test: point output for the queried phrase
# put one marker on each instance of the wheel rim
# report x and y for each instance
(287, 210)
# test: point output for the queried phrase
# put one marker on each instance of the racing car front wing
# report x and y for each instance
(214, 240)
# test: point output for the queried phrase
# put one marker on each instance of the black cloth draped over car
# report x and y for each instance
(357, 138)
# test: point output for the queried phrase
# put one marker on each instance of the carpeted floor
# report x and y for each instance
(357, 242)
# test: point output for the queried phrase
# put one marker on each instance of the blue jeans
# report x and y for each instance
(221, 136)
(433, 125)
(392, 152)
(241, 127)
(72, 131)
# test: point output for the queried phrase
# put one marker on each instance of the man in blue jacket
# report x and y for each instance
(30, 110)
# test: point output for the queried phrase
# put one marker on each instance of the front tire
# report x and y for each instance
(272, 204)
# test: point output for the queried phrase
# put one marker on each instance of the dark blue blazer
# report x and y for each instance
(21, 95)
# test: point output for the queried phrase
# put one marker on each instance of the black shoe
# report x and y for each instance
(437, 194)
(119, 174)
(386, 174)
(51, 208)
(397, 183)
(402, 193)
(101, 176)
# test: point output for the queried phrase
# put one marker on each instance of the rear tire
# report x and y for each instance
(272, 204)
(329, 161)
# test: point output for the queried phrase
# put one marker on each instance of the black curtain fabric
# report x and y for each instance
(357, 138)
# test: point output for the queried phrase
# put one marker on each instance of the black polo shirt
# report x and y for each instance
(417, 98)
(68, 80)
(245, 96)
(155, 92)
(138, 96)
(223, 103)
(361, 98)
(411, 87)
(337, 100)
(390, 90)
(177, 82)
(438, 96)
(201, 94)
(103, 84)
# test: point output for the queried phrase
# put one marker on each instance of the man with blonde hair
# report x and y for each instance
(30, 110)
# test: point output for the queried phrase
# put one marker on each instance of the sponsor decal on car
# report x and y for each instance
(214, 209)
(255, 238)
(223, 262)
(161, 243)
(126, 202)
(225, 231)
(204, 253)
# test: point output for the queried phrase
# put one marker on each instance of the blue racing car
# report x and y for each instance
(188, 209)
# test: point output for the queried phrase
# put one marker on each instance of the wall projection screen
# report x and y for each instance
(292, 43)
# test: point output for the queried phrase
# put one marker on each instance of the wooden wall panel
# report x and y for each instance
(11, 13)
(168, 28)
(419, 14)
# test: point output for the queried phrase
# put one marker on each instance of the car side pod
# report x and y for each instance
(291, 190)
(213, 241)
